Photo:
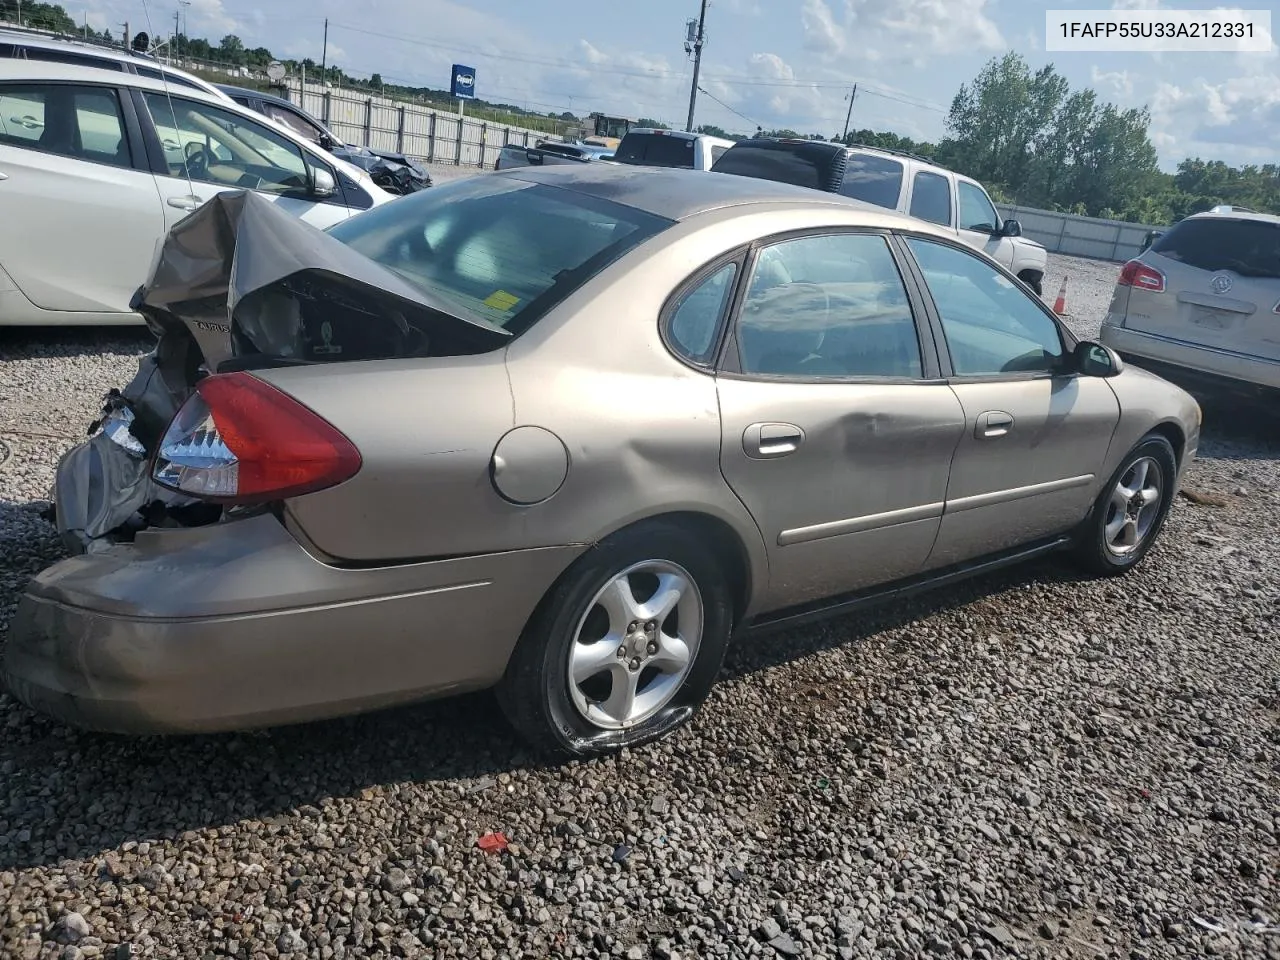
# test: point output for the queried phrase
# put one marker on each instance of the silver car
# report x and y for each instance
(563, 432)
(1202, 304)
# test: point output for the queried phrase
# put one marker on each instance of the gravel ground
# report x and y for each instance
(1027, 765)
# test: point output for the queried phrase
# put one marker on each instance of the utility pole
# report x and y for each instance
(126, 34)
(697, 63)
(849, 114)
(176, 11)
(324, 54)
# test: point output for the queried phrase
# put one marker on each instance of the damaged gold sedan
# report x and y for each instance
(562, 432)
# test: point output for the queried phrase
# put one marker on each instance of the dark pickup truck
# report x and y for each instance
(547, 151)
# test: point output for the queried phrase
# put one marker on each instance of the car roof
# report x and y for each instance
(77, 45)
(678, 194)
(679, 134)
(1235, 214)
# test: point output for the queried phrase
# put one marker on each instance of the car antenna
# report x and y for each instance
(146, 12)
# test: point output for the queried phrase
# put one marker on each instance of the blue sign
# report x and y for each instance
(463, 84)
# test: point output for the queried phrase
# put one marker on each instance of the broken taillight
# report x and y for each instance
(1135, 273)
(238, 439)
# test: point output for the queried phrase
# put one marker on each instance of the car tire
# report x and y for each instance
(548, 692)
(1121, 529)
(1032, 280)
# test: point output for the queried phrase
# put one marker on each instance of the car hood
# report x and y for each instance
(1027, 242)
(236, 274)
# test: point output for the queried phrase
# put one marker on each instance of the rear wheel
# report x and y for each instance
(1130, 512)
(624, 649)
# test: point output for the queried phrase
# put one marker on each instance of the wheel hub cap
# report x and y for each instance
(635, 645)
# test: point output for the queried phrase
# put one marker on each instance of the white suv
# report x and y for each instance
(21, 45)
(97, 166)
(897, 181)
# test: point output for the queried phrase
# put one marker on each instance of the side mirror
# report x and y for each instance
(1151, 237)
(1011, 228)
(1093, 359)
(325, 142)
(322, 183)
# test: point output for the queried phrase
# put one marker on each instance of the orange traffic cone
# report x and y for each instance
(1060, 305)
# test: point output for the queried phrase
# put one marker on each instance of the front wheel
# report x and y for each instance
(1131, 510)
(1033, 280)
(624, 649)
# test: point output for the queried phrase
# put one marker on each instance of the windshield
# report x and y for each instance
(655, 150)
(1250, 248)
(498, 249)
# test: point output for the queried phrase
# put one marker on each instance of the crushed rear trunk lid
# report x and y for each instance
(248, 280)
(239, 284)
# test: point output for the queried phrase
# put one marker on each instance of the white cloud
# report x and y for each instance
(919, 29)
(1116, 84)
(1135, 5)
(821, 33)
(1198, 117)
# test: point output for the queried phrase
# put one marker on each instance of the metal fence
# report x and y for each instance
(1079, 236)
(419, 132)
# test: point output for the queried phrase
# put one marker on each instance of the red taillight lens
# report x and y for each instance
(238, 439)
(1135, 273)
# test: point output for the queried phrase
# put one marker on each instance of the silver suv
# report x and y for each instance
(1202, 303)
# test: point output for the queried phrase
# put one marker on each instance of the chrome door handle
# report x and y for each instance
(765, 441)
(993, 424)
(186, 203)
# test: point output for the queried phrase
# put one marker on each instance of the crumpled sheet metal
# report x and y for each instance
(239, 243)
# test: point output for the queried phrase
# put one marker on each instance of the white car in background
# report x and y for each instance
(96, 166)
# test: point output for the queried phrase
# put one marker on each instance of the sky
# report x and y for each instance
(773, 63)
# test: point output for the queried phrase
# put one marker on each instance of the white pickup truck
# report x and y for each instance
(898, 181)
(651, 147)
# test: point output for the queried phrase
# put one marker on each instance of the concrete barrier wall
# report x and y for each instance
(1079, 236)
(420, 132)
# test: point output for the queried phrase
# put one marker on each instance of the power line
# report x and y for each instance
(727, 107)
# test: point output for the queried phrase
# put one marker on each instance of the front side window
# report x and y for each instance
(83, 123)
(223, 148)
(976, 210)
(873, 179)
(828, 306)
(692, 328)
(931, 198)
(498, 250)
(992, 324)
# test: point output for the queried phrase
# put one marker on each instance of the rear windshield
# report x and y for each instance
(875, 180)
(786, 163)
(1251, 248)
(655, 150)
(495, 248)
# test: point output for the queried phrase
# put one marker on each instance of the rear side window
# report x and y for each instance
(931, 198)
(717, 153)
(774, 163)
(83, 123)
(655, 150)
(873, 179)
(68, 56)
(1250, 248)
(497, 250)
